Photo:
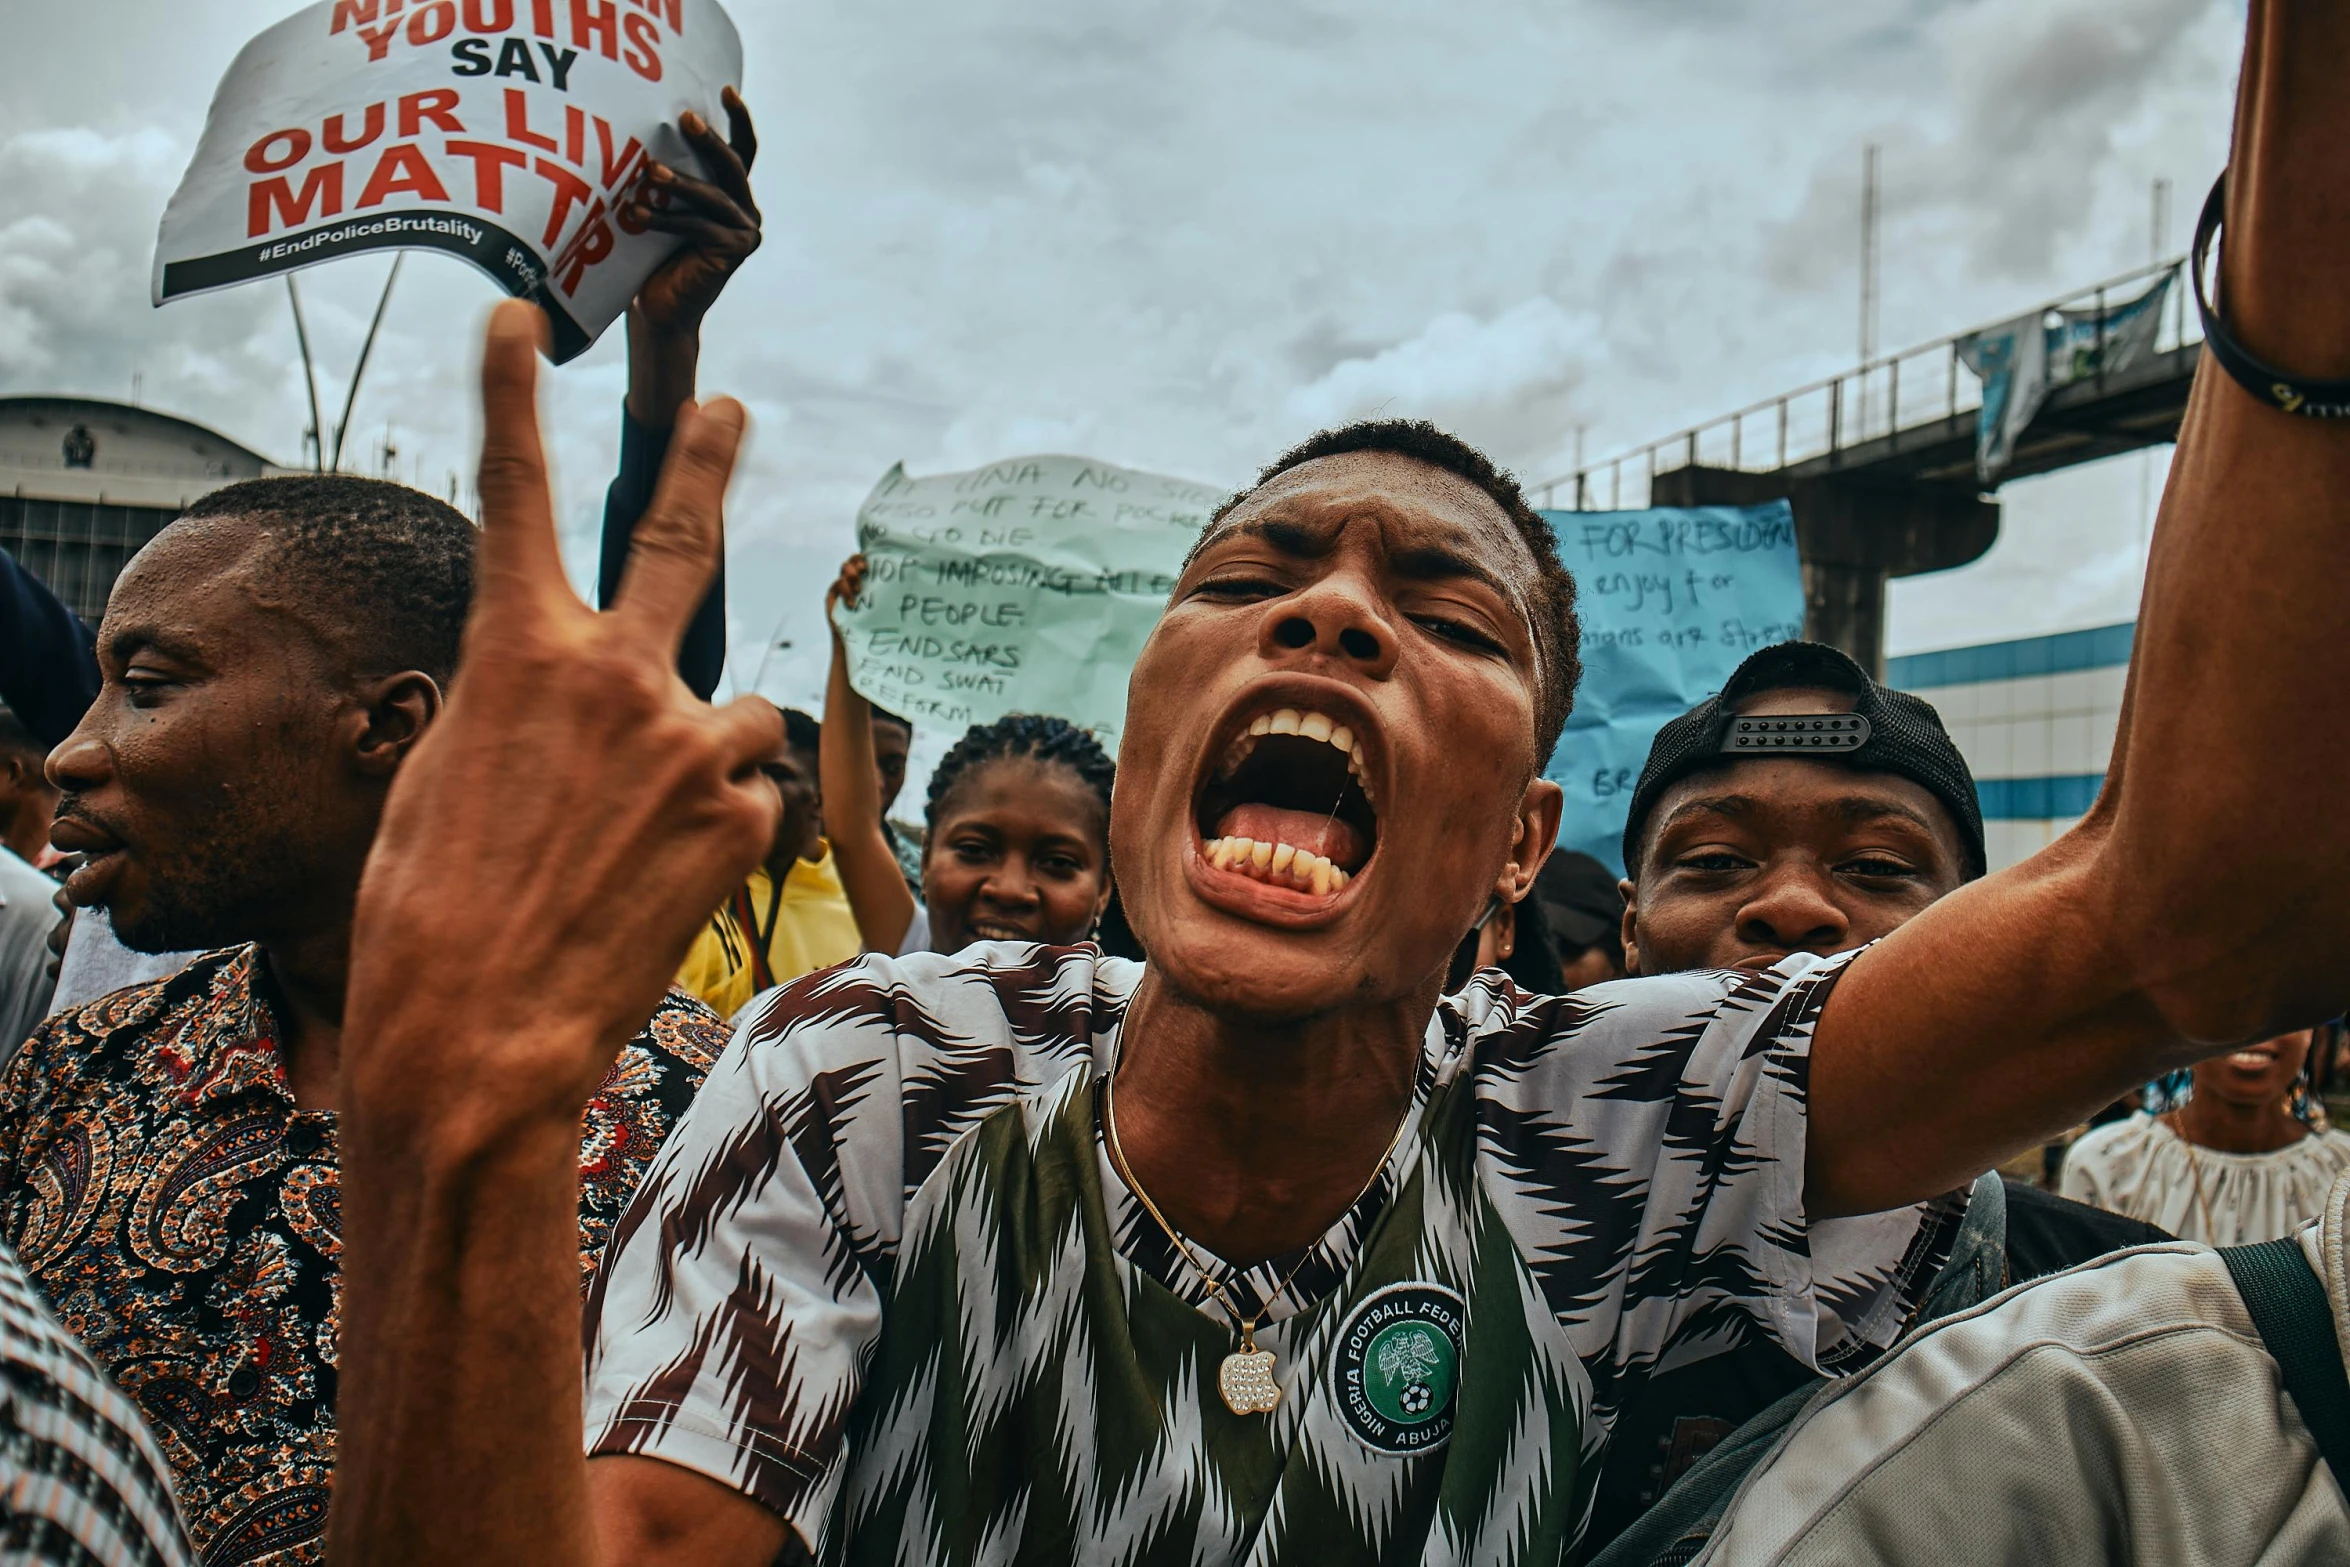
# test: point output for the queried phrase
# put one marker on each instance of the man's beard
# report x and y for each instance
(172, 923)
(218, 896)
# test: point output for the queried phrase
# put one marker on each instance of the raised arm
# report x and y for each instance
(2202, 902)
(852, 792)
(460, 1401)
(720, 225)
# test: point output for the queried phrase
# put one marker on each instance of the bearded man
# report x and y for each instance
(901, 1284)
(168, 1153)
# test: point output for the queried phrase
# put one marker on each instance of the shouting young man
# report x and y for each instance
(1259, 1254)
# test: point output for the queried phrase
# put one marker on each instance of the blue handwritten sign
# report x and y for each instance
(1672, 600)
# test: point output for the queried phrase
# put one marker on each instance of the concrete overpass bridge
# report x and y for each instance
(1879, 461)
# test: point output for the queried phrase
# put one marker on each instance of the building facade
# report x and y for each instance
(2034, 718)
(84, 483)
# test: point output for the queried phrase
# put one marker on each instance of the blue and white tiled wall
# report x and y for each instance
(2035, 720)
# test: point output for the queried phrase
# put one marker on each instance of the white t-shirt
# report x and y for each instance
(2124, 1412)
(28, 912)
(98, 964)
(2141, 1168)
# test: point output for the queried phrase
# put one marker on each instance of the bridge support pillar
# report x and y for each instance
(1844, 606)
(1853, 534)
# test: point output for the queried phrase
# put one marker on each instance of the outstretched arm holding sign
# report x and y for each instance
(869, 874)
(719, 222)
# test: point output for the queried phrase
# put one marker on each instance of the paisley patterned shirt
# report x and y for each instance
(183, 1219)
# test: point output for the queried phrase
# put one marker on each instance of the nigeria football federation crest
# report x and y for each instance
(1398, 1367)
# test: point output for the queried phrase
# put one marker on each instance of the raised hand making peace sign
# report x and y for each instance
(576, 810)
(545, 857)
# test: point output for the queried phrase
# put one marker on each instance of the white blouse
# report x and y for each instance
(2143, 1169)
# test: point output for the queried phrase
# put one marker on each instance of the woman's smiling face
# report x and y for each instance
(2257, 1075)
(1020, 852)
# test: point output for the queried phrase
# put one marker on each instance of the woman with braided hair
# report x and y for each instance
(1018, 819)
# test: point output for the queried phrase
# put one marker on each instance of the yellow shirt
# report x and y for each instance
(813, 929)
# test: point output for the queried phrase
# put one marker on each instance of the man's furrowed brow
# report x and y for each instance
(1288, 535)
(1413, 562)
(124, 643)
(1436, 563)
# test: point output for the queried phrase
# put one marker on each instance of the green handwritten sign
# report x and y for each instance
(1026, 586)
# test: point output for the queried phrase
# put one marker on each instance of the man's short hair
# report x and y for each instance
(1558, 635)
(882, 715)
(393, 564)
(802, 732)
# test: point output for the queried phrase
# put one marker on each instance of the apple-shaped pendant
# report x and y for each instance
(1246, 1381)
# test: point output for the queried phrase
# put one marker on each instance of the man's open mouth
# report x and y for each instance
(1289, 804)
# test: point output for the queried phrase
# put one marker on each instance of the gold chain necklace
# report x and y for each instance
(1246, 1376)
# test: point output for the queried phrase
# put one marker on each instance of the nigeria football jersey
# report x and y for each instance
(885, 1279)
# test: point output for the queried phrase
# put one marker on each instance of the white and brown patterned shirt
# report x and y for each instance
(881, 1280)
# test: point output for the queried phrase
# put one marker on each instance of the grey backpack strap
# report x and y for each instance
(1977, 1269)
(2288, 1304)
(1685, 1517)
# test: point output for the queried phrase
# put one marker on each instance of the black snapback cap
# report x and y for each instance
(1887, 731)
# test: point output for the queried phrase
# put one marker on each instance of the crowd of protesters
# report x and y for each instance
(1263, 1147)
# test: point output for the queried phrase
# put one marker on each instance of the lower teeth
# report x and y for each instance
(1276, 864)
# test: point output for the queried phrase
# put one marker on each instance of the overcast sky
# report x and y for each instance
(1179, 236)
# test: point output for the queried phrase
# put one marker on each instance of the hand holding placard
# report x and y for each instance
(514, 133)
(1026, 586)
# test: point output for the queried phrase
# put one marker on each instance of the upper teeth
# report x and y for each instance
(1311, 726)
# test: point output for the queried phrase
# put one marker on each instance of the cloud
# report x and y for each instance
(78, 252)
(2010, 163)
(1509, 382)
(1179, 239)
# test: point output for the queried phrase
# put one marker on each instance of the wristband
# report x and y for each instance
(2285, 393)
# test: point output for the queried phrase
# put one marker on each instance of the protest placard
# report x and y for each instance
(1026, 586)
(508, 132)
(1671, 599)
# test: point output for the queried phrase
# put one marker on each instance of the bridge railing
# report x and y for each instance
(1914, 390)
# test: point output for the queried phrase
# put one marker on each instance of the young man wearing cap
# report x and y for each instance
(1260, 1253)
(1805, 808)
